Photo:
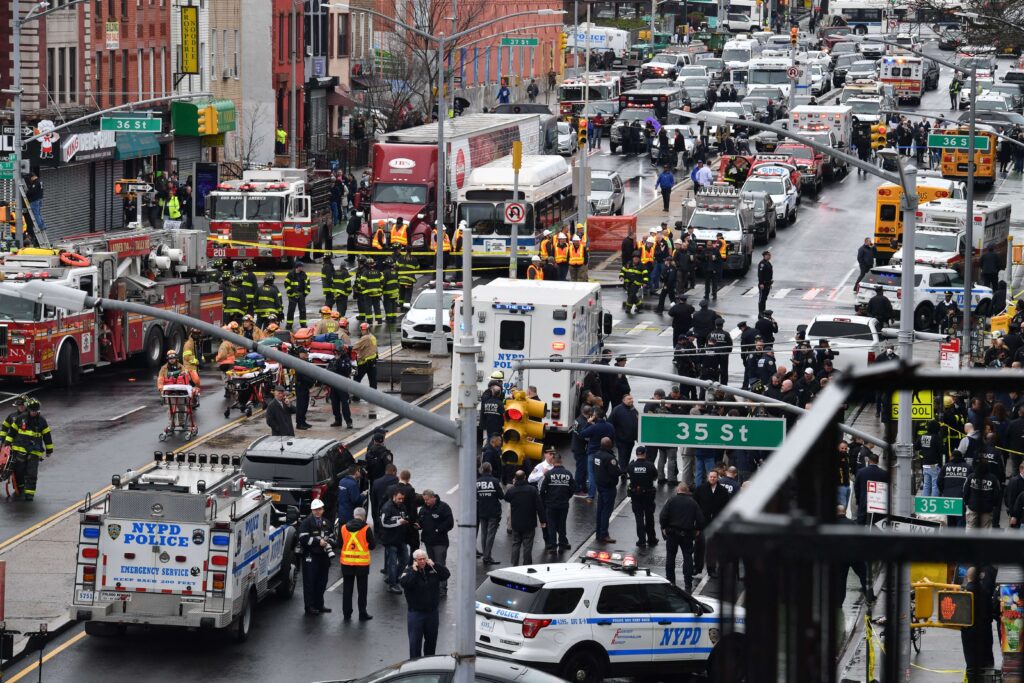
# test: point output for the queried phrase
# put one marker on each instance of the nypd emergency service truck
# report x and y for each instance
(539, 320)
(189, 543)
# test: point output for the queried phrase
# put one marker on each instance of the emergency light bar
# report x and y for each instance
(615, 559)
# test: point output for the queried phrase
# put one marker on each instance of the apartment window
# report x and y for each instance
(138, 72)
(280, 38)
(99, 78)
(152, 65)
(62, 72)
(163, 67)
(110, 8)
(224, 46)
(51, 71)
(72, 74)
(235, 60)
(291, 31)
(202, 67)
(124, 8)
(343, 29)
(99, 9)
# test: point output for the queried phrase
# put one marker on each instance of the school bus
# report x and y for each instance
(954, 161)
(889, 212)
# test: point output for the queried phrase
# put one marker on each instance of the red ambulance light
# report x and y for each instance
(219, 560)
(90, 553)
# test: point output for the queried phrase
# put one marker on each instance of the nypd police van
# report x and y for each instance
(596, 618)
(188, 543)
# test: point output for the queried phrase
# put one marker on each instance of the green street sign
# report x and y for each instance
(520, 42)
(957, 141)
(712, 432)
(7, 175)
(6, 165)
(130, 124)
(926, 505)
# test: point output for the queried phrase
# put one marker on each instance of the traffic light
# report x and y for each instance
(956, 608)
(563, 41)
(523, 430)
(206, 120)
(793, 34)
(923, 602)
(582, 135)
(879, 137)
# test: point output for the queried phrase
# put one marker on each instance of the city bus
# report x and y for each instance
(545, 187)
(889, 212)
(869, 16)
(954, 161)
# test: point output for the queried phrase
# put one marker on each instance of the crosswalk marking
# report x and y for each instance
(781, 294)
(638, 328)
(667, 332)
(811, 293)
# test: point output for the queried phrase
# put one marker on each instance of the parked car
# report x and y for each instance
(762, 207)
(567, 142)
(607, 193)
(298, 470)
(864, 68)
(840, 66)
(1010, 90)
(418, 322)
(441, 669)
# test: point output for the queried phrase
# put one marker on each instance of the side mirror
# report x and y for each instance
(606, 323)
(291, 515)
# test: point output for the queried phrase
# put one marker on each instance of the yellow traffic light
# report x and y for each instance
(923, 599)
(206, 120)
(563, 41)
(793, 34)
(582, 135)
(879, 137)
(523, 429)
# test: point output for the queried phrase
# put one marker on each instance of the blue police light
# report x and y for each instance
(220, 540)
(558, 331)
(91, 532)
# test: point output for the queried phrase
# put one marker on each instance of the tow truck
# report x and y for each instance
(161, 268)
(189, 543)
(721, 209)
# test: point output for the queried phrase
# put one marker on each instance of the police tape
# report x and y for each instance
(951, 428)
(347, 252)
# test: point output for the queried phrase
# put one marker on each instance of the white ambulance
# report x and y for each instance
(539, 320)
(189, 543)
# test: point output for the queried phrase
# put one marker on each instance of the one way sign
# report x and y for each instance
(911, 525)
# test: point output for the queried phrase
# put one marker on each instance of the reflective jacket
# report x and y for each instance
(370, 283)
(577, 254)
(634, 275)
(268, 300)
(343, 285)
(399, 235)
(406, 272)
(296, 284)
(30, 435)
(561, 253)
(534, 272)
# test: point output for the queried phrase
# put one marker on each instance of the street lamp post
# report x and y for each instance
(901, 478)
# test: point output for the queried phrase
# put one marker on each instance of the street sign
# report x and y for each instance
(712, 432)
(515, 213)
(878, 497)
(949, 355)
(922, 409)
(126, 186)
(6, 170)
(893, 22)
(957, 141)
(130, 124)
(911, 525)
(938, 505)
(520, 42)
(793, 72)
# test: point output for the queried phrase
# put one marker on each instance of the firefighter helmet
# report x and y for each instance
(325, 310)
(32, 404)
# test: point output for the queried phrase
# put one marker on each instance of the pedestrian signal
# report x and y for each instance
(582, 135)
(879, 136)
(956, 608)
(523, 429)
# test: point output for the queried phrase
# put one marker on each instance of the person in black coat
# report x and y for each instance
(681, 522)
(489, 495)
(316, 541)
(880, 308)
(379, 490)
(435, 520)
(492, 408)
(556, 490)
(712, 498)
(422, 583)
(977, 639)
(492, 453)
(1013, 490)
(303, 385)
(766, 326)
(682, 317)
(279, 414)
(704, 322)
(871, 472)
(865, 259)
(526, 511)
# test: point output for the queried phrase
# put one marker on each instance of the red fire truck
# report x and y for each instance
(271, 214)
(160, 268)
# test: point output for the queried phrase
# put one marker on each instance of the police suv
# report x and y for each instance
(599, 617)
(190, 543)
(930, 288)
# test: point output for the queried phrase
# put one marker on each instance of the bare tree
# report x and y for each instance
(247, 141)
(987, 29)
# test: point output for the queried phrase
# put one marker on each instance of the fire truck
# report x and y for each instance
(160, 268)
(273, 214)
(190, 543)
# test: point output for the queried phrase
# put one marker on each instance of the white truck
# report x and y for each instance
(774, 71)
(947, 218)
(557, 321)
(190, 543)
(905, 73)
(830, 125)
(599, 38)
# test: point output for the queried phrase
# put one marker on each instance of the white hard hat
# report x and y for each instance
(656, 230)
(316, 504)
(463, 223)
(653, 230)
(535, 258)
(576, 238)
(650, 240)
(547, 232)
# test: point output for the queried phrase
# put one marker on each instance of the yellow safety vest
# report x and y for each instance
(647, 253)
(173, 208)
(723, 248)
(447, 244)
(561, 254)
(577, 254)
(378, 239)
(355, 551)
(281, 136)
(534, 273)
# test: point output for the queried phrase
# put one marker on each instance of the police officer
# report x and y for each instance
(390, 291)
(684, 357)
(233, 299)
(642, 476)
(406, 276)
(721, 342)
(556, 490)
(492, 404)
(681, 522)
(327, 275)
(342, 289)
(318, 547)
(340, 400)
(303, 386)
(296, 288)
(606, 476)
(30, 441)
(268, 301)
(765, 277)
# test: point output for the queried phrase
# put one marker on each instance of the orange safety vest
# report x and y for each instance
(534, 273)
(561, 254)
(355, 551)
(545, 247)
(378, 239)
(457, 242)
(583, 237)
(723, 248)
(400, 235)
(647, 253)
(433, 241)
(577, 255)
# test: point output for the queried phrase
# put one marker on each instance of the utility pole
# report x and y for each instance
(16, 208)
(292, 118)
(438, 339)
(575, 35)
(965, 345)
(582, 200)
(654, 8)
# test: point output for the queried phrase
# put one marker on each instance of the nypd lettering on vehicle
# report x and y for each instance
(150, 533)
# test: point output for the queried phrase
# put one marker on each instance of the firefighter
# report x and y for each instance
(343, 334)
(372, 289)
(327, 277)
(342, 289)
(244, 281)
(249, 329)
(406, 266)
(326, 324)
(562, 256)
(366, 356)
(193, 348)
(225, 358)
(380, 237)
(634, 277)
(390, 291)
(359, 288)
(172, 369)
(577, 260)
(19, 410)
(233, 297)
(30, 442)
(296, 287)
(535, 271)
(268, 300)
(399, 236)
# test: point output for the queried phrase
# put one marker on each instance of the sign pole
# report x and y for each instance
(517, 164)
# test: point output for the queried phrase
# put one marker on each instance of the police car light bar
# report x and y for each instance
(615, 559)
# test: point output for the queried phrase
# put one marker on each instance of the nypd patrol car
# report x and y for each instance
(775, 179)
(596, 618)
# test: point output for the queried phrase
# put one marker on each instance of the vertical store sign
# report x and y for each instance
(112, 33)
(190, 39)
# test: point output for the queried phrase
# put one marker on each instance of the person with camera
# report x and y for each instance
(356, 543)
(394, 537)
(317, 545)
(422, 583)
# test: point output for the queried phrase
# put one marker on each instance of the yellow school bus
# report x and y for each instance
(954, 161)
(889, 214)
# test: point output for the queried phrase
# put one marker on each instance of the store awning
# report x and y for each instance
(337, 98)
(136, 145)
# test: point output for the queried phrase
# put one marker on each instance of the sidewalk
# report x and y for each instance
(41, 566)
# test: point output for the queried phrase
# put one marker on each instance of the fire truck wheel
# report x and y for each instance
(68, 368)
(176, 340)
(153, 352)
(243, 622)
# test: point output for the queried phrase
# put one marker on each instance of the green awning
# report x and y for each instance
(136, 145)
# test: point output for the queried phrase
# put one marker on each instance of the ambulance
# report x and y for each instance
(189, 543)
(540, 320)
(905, 73)
(991, 225)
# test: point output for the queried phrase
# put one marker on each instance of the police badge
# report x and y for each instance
(113, 530)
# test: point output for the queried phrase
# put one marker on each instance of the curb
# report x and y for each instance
(60, 625)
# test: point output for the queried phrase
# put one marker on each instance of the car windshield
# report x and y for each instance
(715, 220)
(688, 71)
(864, 106)
(486, 219)
(664, 59)
(930, 241)
(630, 115)
(735, 107)
(695, 92)
(603, 108)
(994, 104)
(843, 48)
(768, 77)
(564, 128)
(14, 308)
(980, 62)
(839, 329)
(574, 93)
(428, 301)
(399, 193)
(845, 61)
(508, 594)
(736, 54)
(769, 185)
(713, 64)
(279, 468)
(226, 207)
(887, 278)
(798, 152)
(772, 93)
(601, 184)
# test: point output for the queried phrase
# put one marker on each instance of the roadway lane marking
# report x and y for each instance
(811, 293)
(638, 328)
(781, 294)
(751, 293)
(667, 332)
(130, 412)
(842, 283)
(723, 290)
(53, 653)
(703, 582)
